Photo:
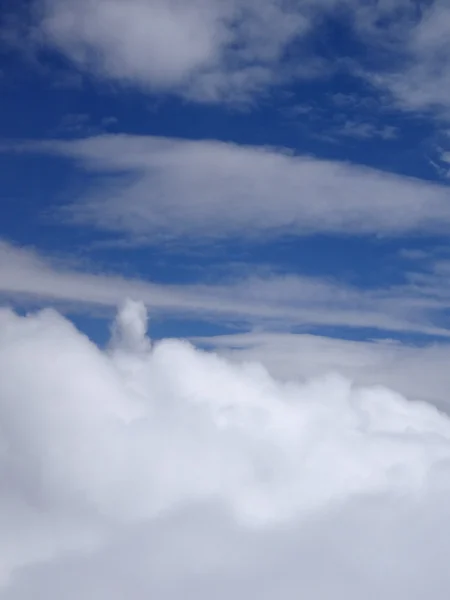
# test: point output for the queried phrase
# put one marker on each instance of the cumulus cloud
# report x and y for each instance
(277, 300)
(160, 470)
(154, 189)
(417, 372)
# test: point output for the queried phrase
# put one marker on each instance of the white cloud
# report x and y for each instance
(278, 301)
(166, 472)
(217, 50)
(207, 49)
(212, 50)
(417, 372)
(153, 189)
(414, 38)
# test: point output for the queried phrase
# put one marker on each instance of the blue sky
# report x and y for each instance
(242, 166)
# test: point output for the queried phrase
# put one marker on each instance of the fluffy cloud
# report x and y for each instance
(417, 372)
(276, 300)
(153, 189)
(162, 470)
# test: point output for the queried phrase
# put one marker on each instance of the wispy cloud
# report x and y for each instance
(277, 301)
(73, 125)
(208, 50)
(166, 188)
(364, 130)
(415, 37)
(214, 51)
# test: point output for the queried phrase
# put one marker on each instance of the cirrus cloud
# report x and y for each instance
(154, 189)
(278, 300)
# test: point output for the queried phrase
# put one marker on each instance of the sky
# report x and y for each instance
(263, 187)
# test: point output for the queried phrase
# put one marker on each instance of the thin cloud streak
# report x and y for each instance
(278, 301)
(155, 189)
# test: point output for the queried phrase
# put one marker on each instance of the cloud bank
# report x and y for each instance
(157, 469)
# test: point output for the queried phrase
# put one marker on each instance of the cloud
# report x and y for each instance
(160, 470)
(74, 125)
(279, 301)
(362, 130)
(417, 372)
(217, 51)
(412, 42)
(154, 189)
(206, 49)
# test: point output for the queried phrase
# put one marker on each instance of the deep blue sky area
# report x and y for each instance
(351, 86)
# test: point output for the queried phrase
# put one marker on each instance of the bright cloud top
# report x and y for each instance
(106, 455)
(165, 188)
(417, 372)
